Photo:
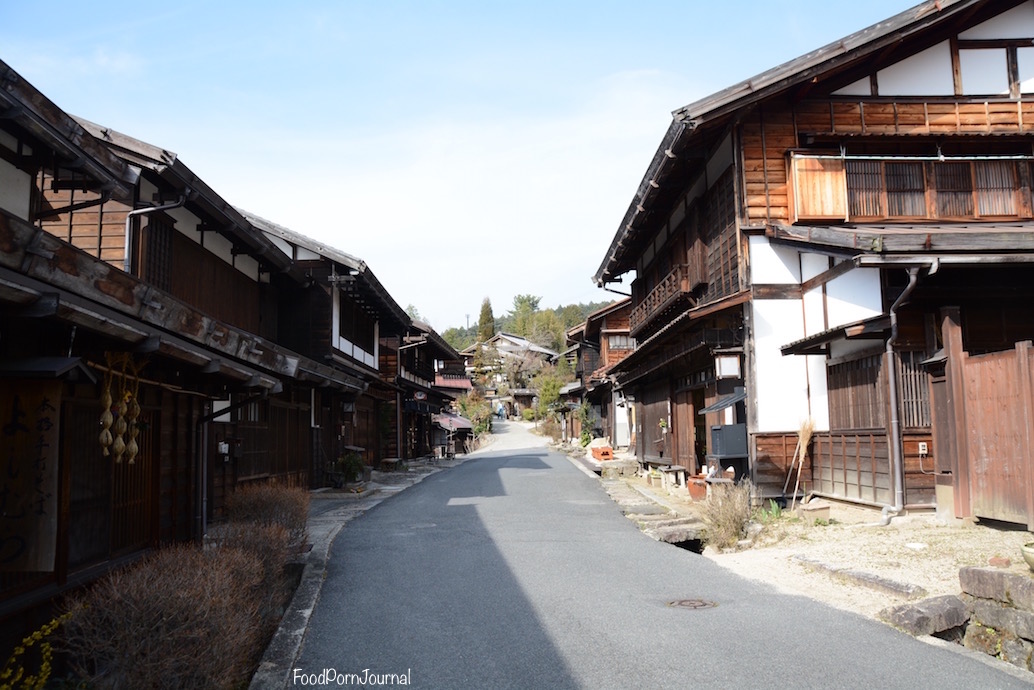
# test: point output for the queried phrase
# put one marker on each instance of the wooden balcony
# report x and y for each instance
(671, 289)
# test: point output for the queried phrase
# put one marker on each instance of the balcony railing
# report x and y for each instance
(667, 291)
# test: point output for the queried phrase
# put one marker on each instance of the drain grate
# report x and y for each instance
(692, 604)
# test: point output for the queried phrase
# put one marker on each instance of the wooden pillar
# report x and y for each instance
(1023, 350)
(951, 334)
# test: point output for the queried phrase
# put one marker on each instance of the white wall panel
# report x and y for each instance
(927, 73)
(1025, 60)
(283, 245)
(862, 87)
(853, 296)
(984, 71)
(247, 265)
(818, 391)
(1015, 23)
(220, 246)
(781, 383)
(15, 190)
(773, 264)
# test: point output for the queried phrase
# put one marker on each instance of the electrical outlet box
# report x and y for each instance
(923, 449)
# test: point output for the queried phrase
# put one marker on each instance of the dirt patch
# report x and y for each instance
(807, 557)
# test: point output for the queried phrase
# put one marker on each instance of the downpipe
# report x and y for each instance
(889, 512)
(127, 263)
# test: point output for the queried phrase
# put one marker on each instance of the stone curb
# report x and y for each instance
(865, 578)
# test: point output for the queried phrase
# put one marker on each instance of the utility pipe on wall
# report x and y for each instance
(897, 461)
(127, 264)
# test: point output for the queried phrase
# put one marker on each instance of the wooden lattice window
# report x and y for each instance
(156, 247)
(906, 189)
(996, 184)
(913, 390)
(856, 394)
(877, 188)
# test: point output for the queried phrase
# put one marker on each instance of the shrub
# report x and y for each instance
(527, 414)
(272, 504)
(727, 512)
(268, 545)
(183, 618)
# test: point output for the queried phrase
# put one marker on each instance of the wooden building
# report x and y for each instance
(343, 316)
(158, 348)
(600, 343)
(416, 365)
(847, 238)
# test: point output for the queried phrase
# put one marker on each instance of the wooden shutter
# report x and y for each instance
(820, 187)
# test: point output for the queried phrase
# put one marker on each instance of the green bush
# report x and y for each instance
(527, 414)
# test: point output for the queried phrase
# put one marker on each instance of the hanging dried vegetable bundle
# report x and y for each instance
(106, 417)
(132, 415)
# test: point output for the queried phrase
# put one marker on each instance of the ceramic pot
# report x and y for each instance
(1028, 553)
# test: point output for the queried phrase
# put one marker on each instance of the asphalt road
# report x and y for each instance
(516, 570)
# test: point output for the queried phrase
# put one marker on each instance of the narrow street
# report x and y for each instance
(516, 570)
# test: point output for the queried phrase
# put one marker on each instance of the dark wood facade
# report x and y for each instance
(242, 353)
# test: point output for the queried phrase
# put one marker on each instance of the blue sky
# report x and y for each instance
(462, 149)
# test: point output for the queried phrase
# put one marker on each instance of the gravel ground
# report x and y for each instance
(915, 550)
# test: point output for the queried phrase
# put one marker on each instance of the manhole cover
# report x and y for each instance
(692, 604)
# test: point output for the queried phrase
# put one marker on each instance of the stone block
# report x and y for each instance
(1005, 587)
(1017, 652)
(983, 639)
(929, 616)
(1000, 616)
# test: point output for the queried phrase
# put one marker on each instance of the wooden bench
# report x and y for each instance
(673, 473)
(603, 453)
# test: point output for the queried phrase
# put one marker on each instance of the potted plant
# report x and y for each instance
(351, 467)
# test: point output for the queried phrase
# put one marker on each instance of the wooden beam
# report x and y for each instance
(826, 276)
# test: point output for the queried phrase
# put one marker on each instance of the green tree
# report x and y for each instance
(486, 322)
(547, 384)
(523, 314)
(413, 313)
(475, 408)
(460, 338)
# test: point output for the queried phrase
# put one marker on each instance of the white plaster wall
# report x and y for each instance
(854, 296)
(15, 190)
(862, 87)
(247, 265)
(773, 264)
(1015, 23)
(927, 73)
(220, 246)
(815, 322)
(780, 383)
(818, 391)
(1025, 62)
(984, 71)
(186, 222)
(283, 245)
(303, 254)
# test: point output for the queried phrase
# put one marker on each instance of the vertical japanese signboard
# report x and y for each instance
(29, 426)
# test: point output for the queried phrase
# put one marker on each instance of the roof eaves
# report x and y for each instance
(22, 103)
(854, 46)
